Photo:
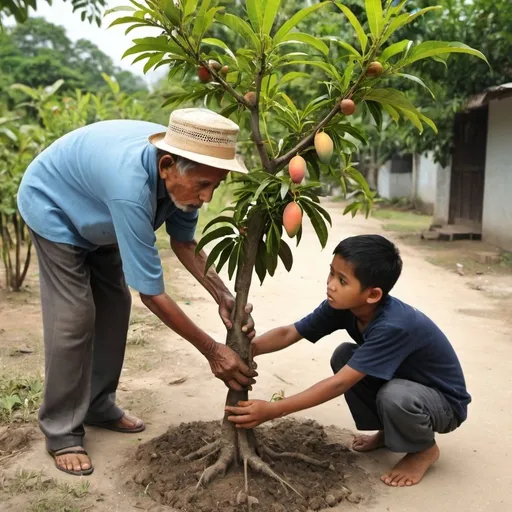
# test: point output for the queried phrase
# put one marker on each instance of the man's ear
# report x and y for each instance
(374, 296)
(164, 165)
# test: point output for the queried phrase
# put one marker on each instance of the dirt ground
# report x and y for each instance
(168, 383)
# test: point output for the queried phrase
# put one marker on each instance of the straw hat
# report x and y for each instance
(202, 136)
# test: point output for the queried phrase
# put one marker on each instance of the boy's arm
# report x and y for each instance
(254, 412)
(274, 340)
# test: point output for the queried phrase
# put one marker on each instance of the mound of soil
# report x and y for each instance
(171, 480)
(14, 437)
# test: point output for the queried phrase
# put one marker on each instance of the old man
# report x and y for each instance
(93, 201)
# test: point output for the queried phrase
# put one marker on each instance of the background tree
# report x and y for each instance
(246, 80)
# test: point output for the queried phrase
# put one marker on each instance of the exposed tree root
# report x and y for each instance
(204, 451)
(226, 457)
(292, 456)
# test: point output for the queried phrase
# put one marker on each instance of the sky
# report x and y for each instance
(111, 41)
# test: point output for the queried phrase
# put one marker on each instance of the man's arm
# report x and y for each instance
(225, 364)
(213, 284)
(275, 339)
(195, 264)
(252, 413)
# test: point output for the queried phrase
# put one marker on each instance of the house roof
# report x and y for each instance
(497, 92)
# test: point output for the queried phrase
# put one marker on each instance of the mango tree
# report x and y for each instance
(292, 141)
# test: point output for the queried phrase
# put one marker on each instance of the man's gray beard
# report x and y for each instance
(181, 206)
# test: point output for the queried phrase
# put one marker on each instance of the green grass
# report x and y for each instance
(402, 221)
(47, 494)
(20, 398)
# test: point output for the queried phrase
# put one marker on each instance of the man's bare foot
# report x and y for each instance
(77, 462)
(368, 443)
(412, 468)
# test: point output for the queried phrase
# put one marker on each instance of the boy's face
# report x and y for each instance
(344, 289)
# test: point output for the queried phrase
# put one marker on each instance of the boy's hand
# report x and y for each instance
(252, 413)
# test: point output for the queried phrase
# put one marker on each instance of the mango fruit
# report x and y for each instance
(213, 64)
(374, 70)
(224, 70)
(250, 97)
(292, 219)
(348, 107)
(297, 169)
(324, 147)
(203, 74)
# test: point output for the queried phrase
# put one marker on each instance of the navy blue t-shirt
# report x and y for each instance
(400, 342)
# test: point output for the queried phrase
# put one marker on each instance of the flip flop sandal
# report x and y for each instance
(66, 451)
(112, 425)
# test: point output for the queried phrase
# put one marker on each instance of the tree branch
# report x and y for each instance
(255, 120)
(280, 162)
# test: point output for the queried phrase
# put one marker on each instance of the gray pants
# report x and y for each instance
(408, 413)
(86, 310)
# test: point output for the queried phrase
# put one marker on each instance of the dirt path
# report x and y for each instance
(167, 382)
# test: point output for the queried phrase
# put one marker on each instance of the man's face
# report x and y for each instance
(189, 191)
(344, 289)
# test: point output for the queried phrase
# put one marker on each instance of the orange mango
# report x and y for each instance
(297, 169)
(324, 147)
(292, 219)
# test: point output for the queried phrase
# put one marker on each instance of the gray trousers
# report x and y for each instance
(409, 413)
(86, 310)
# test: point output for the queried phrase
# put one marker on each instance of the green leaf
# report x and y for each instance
(415, 120)
(189, 7)
(218, 233)
(393, 50)
(295, 20)
(317, 221)
(240, 27)
(211, 41)
(216, 251)
(322, 212)
(435, 48)
(404, 19)
(125, 19)
(273, 239)
(355, 132)
(120, 8)
(198, 29)
(352, 207)
(271, 10)
(255, 12)
(308, 39)
(286, 255)
(233, 259)
(293, 75)
(226, 253)
(347, 47)
(376, 112)
(284, 189)
(260, 266)
(375, 17)
(363, 38)
(218, 220)
(417, 80)
(261, 188)
(393, 113)
(390, 96)
(428, 122)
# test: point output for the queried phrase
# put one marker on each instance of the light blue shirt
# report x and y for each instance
(99, 185)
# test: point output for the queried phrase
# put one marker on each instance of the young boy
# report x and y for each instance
(401, 377)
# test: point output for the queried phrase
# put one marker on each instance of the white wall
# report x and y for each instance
(391, 185)
(497, 214)
(427, 178)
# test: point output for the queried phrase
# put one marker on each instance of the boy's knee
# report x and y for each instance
(396, 396)
(342, 355)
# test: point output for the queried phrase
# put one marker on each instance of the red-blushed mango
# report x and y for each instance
(224, 70)
(324, 147)
(292, 219)
(348, 107)
(374, 70)
(203, 74)
(250, 97)
(297, 169)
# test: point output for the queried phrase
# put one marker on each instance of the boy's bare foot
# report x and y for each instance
(368, 443)
(412, 468)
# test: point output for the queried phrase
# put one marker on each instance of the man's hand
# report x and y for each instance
(252, 413)
(227, 366)
(226, 305)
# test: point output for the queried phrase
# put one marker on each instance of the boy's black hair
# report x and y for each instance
(376, 260)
